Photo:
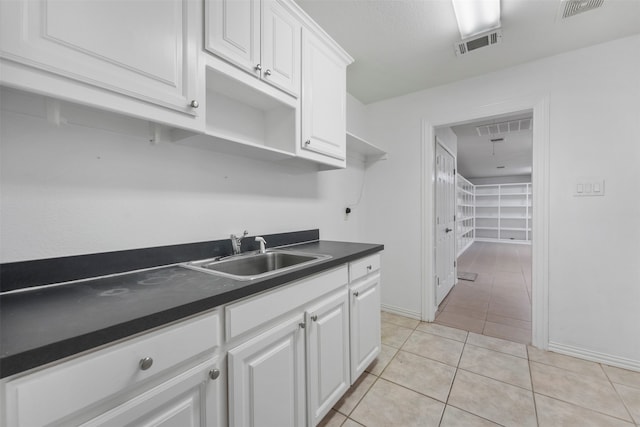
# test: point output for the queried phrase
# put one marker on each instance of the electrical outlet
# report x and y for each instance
(588, 187)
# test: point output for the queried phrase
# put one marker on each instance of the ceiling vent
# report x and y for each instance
(504, 127)
(488, 39)
(569, 8)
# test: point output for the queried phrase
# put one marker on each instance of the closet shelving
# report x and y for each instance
(465, 213)
(492, 213)
(503, 213)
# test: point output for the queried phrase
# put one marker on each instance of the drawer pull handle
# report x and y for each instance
(356, 293)
(369, 268)
(314, 318)
(214, 374)
(146, 363)
(302, 325)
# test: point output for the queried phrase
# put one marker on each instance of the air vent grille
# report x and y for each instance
(569, 8)
(504, 127)
(464, 47)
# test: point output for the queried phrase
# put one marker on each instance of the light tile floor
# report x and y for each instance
(434, 375)
(498, 302)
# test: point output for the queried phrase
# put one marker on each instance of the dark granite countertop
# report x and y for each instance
(43, 325)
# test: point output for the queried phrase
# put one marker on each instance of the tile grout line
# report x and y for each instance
(379, 377)
(533, 392)
(633, 420)
(453, 380)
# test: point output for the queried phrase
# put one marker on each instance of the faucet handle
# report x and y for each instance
(263, 244)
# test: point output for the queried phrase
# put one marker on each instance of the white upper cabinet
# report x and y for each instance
(323, 102)
(138, 49)
(233, 31)
(261, 37)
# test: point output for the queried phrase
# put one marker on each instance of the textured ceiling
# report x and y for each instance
(478, 157)
(402, 46)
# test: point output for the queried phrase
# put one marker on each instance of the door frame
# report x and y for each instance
(540, 189)
(439, 142)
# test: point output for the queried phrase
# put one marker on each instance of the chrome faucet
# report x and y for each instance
(263, 244)
(236, 242)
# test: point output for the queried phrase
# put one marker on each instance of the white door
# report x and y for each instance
(140, 49)
(323, 99)
(281, 33)
(365, 324)
(445, 222)
(233, 32)
(327, 354)
(267, 378)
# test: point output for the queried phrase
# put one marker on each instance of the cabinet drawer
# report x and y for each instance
(64, 389)
(249, 314)
(364, 266)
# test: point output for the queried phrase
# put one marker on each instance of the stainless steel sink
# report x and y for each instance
(256, 265)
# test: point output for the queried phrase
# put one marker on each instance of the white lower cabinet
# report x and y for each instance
(365, 324)
(157, 379)
(191, 399)
(327, 354)
(267, 378)
(290, 354)
(364, 296)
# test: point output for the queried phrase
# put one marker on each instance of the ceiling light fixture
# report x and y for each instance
(476, 16)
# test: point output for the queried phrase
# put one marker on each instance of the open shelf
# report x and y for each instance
(362, 148)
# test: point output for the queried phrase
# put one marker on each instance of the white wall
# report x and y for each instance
(356, 117)
(77, 189)
(594, 271)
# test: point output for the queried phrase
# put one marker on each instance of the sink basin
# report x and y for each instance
(257, 265)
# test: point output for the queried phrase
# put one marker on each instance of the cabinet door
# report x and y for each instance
(280, 47)
(136, 48)
(191, 399)
(267, 379)
(323, 99)
(233, 31)
(327, 354)
(365, 324)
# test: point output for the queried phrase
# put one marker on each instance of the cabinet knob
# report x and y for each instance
(356, 293)
(194, 104)
(146, 363)
(267, 73)
(214, 374)
(369, 268)
(307, 142)
(301, 325)
(314, 318)
(258, 67)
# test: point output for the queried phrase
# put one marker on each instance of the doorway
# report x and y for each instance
(493, 203)
(539, 220)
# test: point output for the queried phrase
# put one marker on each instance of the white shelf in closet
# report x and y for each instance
(465, 214)
(503, 212)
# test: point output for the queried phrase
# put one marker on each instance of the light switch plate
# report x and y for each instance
(588, 187)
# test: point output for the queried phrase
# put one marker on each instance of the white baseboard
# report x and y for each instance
(401, 311)
(594, 356)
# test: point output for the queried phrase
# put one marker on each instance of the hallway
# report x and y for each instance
(498, 302)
